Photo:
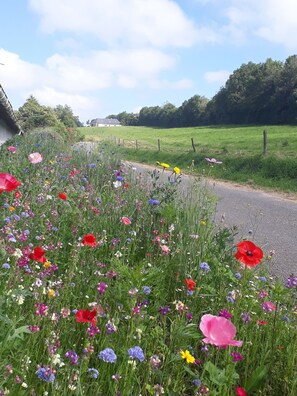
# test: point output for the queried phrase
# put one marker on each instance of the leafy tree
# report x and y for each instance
(66, 116)
(33, 115)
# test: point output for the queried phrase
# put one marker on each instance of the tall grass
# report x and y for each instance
(158, 265)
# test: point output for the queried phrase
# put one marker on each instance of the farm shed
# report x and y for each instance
(8, 122)
(105, 122)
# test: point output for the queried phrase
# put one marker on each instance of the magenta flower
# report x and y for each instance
(12, 149)
(218, 331)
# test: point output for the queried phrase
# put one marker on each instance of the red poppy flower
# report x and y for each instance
(249, 254)
(191, 284)
(240, 391)
(63, 196)
(262, 322)
(38, 254)
(18, 194)
(89, 240)
(86, 316)
(8, 182)
(74, 172)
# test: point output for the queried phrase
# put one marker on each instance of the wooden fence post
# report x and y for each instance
(159, 147)
(193, 145)
(264, 142)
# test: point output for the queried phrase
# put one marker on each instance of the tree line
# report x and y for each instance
(256, 93)
(34, 115)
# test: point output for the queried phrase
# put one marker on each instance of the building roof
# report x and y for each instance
(106, 121)
(6, 112)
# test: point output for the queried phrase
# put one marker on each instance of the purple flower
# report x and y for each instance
(292, 281)
(108, 355)
(45, 374)
(245, 317)
(101, 287)
(164, 310)
(236, 356)
(72, 356)
(225, 313)
(155, 361)
(136, 353)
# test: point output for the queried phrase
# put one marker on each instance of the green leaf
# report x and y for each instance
(257, 378)
(18, 333)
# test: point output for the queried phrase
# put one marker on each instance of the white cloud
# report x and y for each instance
(219, 76)
(80, 104)
(156, 23)
(272, 20)
(17, 73)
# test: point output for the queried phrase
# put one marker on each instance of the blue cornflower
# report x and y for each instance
(196, 382)
(120, 178)
(45, 374)
(5, 266)
(93, 372)
(262, 279)
(237, 275)
(136, 353)
(146, 290)
(153, 202)
(108, 355)
(93, 165)
(204, 267)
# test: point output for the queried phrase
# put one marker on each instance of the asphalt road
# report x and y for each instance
(269, 219)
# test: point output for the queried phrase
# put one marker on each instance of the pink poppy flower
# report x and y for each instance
(12, 149)
(126, 220)
(35, 158)
(165, 249)
(218, 331)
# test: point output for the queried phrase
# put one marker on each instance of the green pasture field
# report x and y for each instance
(240, 148)
(213, 140)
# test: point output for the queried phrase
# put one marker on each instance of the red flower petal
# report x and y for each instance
(8, 182)
(89, 240)
(249, 254)
(63, 196)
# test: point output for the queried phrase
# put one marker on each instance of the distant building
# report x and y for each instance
(105, 122)
(8, 122)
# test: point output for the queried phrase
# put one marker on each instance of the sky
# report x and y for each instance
(102, 57)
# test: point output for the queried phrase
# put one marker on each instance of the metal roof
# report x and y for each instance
(106, 121)
(7, 113)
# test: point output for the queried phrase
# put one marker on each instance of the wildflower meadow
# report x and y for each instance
(115, 283)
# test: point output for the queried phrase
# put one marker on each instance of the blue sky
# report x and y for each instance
(103, 57)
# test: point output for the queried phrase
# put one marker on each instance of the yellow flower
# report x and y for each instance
(203, 222)
(51, 293)
(176, 170)
(11, 208)
(187, 356)
(165, 165)
(47, 264)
